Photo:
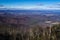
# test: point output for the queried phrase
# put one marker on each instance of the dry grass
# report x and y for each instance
(32, 33)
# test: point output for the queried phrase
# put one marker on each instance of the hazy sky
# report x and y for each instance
(30, 4)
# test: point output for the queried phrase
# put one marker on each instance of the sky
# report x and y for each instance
(30, 4)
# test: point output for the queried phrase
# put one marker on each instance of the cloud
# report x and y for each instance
(58, 4)
(1, 5)
(40, 4)
(37, 6)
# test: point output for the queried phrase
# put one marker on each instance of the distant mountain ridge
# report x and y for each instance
(33, 11)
